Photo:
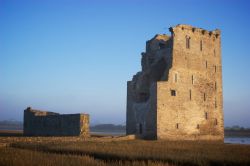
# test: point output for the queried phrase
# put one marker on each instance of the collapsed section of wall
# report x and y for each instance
(141, 91)
(42, 123)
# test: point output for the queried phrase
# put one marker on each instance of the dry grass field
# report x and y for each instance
(102, 151)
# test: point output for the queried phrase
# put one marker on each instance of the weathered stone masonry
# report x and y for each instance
(178, 93)
(42, 123)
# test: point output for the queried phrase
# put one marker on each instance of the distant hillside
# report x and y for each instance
(11, 125)
(237, 131)
(17, 125)
(236, 128)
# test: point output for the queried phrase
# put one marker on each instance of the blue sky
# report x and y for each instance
(76, 56)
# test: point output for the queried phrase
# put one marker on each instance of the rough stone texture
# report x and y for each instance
(42, 123)
(178, 93)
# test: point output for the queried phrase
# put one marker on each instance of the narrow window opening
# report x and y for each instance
(188, 42)
(198, 126)
(215, 69)
(175, 77)
(216, 122)
(140, 128)
(206, 64)
(173, 93)
(192, 79)
(214, 53)
(177, 125)
(215, 103)
(215, 86)
(204, 96)
(201, 45)
(190, 94)
(206, 115)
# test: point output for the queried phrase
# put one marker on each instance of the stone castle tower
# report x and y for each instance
(178, 93)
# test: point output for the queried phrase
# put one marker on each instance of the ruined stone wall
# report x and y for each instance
(179, 90)
(141, 91)
(42, 123)
(195, 110)
(141, 117)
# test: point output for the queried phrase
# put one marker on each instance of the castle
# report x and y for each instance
(43, 123)
(178, 93)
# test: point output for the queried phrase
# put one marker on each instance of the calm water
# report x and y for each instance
(230, 140)
(237, 140)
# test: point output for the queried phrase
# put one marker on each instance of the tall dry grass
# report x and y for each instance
(176, 153)
(23, 157)
(19, 157)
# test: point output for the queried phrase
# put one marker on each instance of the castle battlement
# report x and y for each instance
(216, 33)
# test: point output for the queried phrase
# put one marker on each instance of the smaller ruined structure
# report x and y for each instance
(43, 123)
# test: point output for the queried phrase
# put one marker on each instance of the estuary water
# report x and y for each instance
(237, 140)
(228, 140)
